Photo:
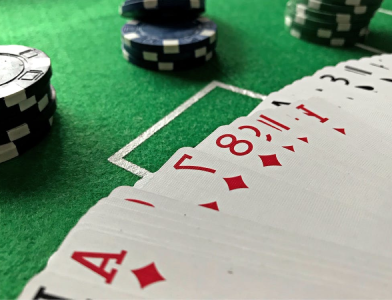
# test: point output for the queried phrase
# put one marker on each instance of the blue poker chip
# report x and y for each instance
(162, 9)
(169, 38)
(161, 57)
(168, 66)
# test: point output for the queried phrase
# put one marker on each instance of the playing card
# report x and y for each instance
(368, 77)
(247, 147)
(49, 285)
(141, 182)
(358, 78)
(199, 178)
(369, 110)
(128, 198)
(151, 271)
(353, 142)
(115, 218)
(339, 94)
(367, 68)
(373, 137)
(194, 238)
(383, 61)
(187, 238)
(361, 137)
(375, 63)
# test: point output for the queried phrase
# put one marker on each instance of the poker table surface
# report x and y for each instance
(105, 104)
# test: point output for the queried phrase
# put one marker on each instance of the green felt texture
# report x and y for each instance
(104, 103)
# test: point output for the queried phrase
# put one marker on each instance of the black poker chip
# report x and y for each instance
(24, 129)
(330, 22)
(162, 10)
(27, 109)
(28, 136)
(18, 147)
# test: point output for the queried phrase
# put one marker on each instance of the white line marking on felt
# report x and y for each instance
(385, 11)
(370, 49)
(239, 91)
(133, 168)
(118, 157)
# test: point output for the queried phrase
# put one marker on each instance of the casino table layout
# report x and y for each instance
(105, 104)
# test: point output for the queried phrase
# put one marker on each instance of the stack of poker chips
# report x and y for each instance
(330, 22)
(167, 35)
(27, 99)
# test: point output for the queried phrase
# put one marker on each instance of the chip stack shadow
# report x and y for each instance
(167, 35)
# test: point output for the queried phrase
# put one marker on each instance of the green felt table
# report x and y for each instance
(105, 103)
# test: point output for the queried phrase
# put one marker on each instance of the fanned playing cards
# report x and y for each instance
(290, 202)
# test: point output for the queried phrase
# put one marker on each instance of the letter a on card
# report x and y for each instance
(81, 257)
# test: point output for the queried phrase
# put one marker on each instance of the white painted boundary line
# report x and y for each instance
(370, 49)
(118, 157)
(385, 11)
